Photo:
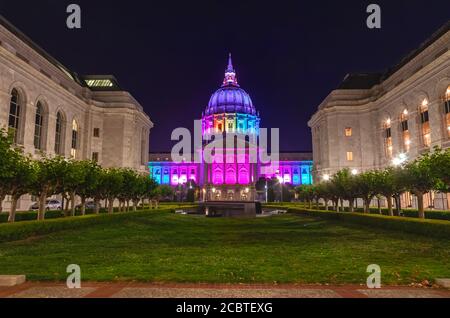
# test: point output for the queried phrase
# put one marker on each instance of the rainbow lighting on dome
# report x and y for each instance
(230, 111)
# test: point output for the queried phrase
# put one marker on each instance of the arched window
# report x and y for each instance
(59, 134)
(38, 127)
(74, 148)
(406, 137)
(447, 110)
(15, 112)
(425, 124)
(388, 138)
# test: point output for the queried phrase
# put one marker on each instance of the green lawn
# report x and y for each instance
(162, 247)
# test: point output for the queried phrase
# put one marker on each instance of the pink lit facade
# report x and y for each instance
(230, 175)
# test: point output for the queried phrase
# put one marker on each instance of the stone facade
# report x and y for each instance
(94, 117)
(373, 120)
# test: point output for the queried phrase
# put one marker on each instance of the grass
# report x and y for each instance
(164, 247)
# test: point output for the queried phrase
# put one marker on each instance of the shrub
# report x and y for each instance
(435, 228)
(31, 216)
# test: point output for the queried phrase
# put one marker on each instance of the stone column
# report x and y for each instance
(4, 109)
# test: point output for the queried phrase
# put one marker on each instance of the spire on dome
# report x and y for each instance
(230, 74)
(230, 64)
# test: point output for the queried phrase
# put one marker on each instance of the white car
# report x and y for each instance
(50, 205)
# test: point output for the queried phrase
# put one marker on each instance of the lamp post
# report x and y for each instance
(266, 190)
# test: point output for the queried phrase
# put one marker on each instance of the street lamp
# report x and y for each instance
(326, 177)
(400, 160)
(354, 172)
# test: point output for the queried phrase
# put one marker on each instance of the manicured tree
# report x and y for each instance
(72, 180)
(112, 185)
(323, 191)
(150, 186)
(23, 177)
(138, 191)
(163, 192)
(389, 185)
(440, 169)
(6, 165)
(305, 194)
(90, 174)
(367, 184)
(346, 187)
(99, 188)
(49, 176)
(127, 187)
(419, 180)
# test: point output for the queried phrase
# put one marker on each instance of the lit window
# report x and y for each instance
(388, 138)
(59, 131)
(349, 156)
(405, 131)
(348, 132)
(99, 83)
(425, 122)
(38, 126)
(15, 115)
(73, 150)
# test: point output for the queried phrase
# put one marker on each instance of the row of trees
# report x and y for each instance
(430, 172)
(20, 175)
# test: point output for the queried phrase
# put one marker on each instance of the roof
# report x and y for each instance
(360, 81)
(369, 80)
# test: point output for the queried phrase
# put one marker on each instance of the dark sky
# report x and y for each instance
(171, 55)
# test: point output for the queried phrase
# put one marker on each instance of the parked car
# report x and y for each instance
(90, 205)
(50, 205)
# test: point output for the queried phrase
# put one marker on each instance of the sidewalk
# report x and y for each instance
(143, 290)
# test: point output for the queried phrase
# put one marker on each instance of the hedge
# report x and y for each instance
(30, 216)
(410, 213)
(22, 230)
(435, 228)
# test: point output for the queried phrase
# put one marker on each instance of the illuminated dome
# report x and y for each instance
(230, 98)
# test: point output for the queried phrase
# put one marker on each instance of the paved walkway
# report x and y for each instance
(142, 290)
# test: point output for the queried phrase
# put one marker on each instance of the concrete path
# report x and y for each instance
(142, 290)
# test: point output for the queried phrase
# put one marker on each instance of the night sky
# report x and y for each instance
(172, 55)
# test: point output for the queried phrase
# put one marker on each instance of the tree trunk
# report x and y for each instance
(351, 203)
(398, 205)
(110, 206)
(42, 200)
(341, 201)
(12, 213)
(420, 205)
(379, 206)
(97, 206)
(317, 204)
(310, 204)
(156, 204)
(336, 205)
(326, 205)
(389, 204)
(72, 200)
(135, 204)
(67, 203)
(128, 206)
(83, 205)
(366, 205)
